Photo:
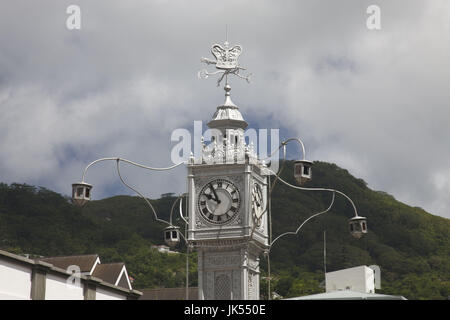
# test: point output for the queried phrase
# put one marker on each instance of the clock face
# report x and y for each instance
(219, 201)
(257, 203)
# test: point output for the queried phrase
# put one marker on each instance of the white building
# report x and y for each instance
(52, 279)
(359, 279)
(357, 283)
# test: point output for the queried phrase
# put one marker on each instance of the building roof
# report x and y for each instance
(52, 267)
(112, 273)
(84, 262)
(348, 295)
(169, 294)
(228, 114)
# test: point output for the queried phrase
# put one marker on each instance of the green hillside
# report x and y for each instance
(411, 246)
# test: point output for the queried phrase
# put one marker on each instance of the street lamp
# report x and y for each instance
(302, 171)
(357, 226)
(171, 235)
(81, 193)
(302, 167)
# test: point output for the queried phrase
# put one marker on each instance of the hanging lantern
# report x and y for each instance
(357, 226)
(171, 236)
(302, 171)
(81, 193)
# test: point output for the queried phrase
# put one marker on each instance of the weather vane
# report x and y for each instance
(226, 62)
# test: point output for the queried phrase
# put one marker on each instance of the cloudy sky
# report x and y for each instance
(375, 102)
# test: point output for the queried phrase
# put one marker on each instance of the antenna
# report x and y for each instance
(325, 251)
(226, 32)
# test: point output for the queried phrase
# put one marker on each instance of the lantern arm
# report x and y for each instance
(319, 189)
(137, 191)
(92, 163)
(298, 229)
(279, 170)
(301, 144)
(254, 225)
(130, 162)
(181, 211)
(272, 154)
(184, 239)
(180, 199)
(148, 202)
(173, 206)
(140, 194)
(283, 144)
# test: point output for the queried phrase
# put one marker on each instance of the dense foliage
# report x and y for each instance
(411, 246)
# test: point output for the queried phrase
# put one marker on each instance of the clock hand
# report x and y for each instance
(215, 194)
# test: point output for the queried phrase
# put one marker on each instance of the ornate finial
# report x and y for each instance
(226, 62)
(228, 102)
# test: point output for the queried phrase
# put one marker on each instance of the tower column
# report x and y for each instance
(224, 189)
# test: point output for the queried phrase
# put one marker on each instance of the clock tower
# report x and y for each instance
(227, 187)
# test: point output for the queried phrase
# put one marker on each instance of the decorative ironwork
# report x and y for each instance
(226, 62)
(222, 287)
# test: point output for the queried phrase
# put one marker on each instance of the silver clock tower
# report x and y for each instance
(227, 187)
